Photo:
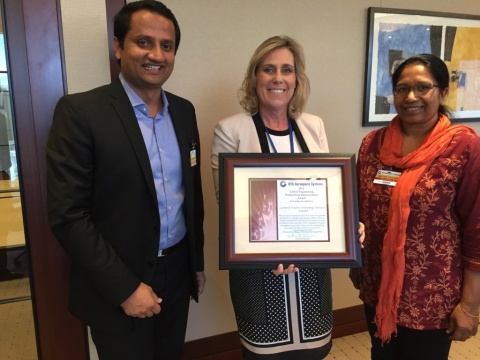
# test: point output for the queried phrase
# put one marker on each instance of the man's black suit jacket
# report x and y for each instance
(102, 203)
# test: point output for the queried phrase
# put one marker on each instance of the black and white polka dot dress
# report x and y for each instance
(288, 317)
(283, 317)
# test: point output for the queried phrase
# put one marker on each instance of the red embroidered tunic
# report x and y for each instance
(442, 235)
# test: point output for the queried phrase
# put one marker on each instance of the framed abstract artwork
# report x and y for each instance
(394, 35)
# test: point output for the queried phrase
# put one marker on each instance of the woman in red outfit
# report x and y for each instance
(419, 197)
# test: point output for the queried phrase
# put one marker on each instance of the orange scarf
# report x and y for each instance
(393, 253)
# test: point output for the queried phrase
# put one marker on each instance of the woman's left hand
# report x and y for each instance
(361, 232)
(464, 318)
(463, 324)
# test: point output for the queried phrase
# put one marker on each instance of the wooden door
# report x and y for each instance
(37, 73)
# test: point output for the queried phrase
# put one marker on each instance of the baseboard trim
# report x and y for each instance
(346, 321)
(349, 321)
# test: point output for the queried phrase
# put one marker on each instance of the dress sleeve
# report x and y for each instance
(468, 206)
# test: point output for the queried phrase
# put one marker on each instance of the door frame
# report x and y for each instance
(37, 80)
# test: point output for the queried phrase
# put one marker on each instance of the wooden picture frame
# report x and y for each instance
(288, 208)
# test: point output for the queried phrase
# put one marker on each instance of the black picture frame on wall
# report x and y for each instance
(394, 35)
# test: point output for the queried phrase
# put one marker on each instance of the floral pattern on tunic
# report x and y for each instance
(442, 235)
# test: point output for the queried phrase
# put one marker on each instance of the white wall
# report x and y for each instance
(218, 38)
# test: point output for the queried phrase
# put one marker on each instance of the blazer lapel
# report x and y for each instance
(300, 139)
(260, 127)
(182, 132)
(126, 115)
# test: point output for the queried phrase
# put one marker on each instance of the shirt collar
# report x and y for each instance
(135, 99)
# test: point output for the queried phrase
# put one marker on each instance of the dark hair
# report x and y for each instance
(121, 21)
(437, 68)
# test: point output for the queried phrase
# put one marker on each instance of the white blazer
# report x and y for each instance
(237, 134)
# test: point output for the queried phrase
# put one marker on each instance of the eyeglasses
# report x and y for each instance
(420, 89)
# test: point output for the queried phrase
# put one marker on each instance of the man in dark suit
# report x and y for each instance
(125, 198)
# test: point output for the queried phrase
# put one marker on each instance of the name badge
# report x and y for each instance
(193, 158)
(387, 177)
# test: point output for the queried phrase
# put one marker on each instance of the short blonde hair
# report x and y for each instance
(247, 95)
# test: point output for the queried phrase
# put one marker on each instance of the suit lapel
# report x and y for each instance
(182, 132)
(126, 115)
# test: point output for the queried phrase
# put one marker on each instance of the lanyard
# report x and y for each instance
(290, 134)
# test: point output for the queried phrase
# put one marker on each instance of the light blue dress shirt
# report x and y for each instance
(162, 147)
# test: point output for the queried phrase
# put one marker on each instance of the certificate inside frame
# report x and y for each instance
(396, 34)
(327, 237)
